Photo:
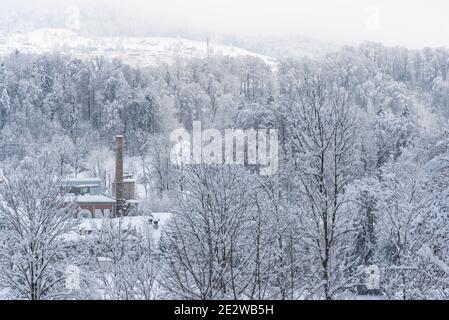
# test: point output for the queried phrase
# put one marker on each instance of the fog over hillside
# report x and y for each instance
(397, 22)
(139, 19)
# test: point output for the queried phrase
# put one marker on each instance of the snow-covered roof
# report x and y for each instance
(142, 225)
(87, 185)
(163, 217)
(94, 199)
(134, 221)
(83, 179)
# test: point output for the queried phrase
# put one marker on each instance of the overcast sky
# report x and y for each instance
(404, 22)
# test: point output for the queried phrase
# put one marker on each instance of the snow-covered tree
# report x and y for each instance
(35, 216)
(124, 263)
(321, 130)
(206, 250)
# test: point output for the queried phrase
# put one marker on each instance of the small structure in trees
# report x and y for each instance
(89, 195)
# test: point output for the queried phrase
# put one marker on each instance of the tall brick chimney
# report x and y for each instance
(120, 205)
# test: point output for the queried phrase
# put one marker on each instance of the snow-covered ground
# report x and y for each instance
(137, 51)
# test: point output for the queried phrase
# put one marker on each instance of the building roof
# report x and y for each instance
(94, 199)
(83, 179)
(86, 186)
(142, 224)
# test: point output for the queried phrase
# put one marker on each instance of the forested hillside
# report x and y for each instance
(363, 173)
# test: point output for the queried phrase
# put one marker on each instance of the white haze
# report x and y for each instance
(400, 22)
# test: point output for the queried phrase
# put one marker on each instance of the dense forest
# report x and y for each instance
(363, 175)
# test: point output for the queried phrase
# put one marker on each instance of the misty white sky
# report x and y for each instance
(404, 22)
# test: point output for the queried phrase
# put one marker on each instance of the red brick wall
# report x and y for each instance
(92, 207)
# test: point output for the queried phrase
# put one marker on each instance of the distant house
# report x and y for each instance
(95, 206)
(92, 202)
(82, 186)
(87, 193)
(129, 187)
